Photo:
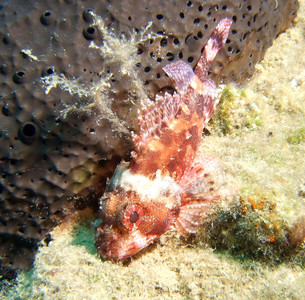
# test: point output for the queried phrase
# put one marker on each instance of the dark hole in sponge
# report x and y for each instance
(29, 129)
(88, 15)
(163, 42)
(47, 71)
(47, 17)
(90, 30)
(197, 21)
(190, 59)
(28, 133)
(19, 77)
(90, 33)
(176, 41)
(170, 56)
(50, 71)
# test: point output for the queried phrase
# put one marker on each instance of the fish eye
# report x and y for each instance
(131, 216)
(134, 217)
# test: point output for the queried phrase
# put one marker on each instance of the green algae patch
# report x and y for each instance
(83, 235)
(297, 137)
(223, 118)
(235, 113)
(252, 121)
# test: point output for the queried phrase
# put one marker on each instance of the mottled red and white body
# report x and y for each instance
(165, 184)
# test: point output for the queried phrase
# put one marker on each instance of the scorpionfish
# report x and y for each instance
(165, 184)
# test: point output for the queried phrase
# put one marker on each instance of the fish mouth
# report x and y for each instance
(123, 255)
(114, 246)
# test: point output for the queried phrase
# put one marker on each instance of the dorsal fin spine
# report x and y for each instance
(154, 118)
(214, 44)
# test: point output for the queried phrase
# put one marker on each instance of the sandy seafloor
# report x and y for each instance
(264, 156)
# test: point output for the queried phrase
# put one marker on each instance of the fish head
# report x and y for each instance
(130, 223)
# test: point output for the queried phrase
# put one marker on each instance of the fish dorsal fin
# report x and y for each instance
(213, 45)
(181, 73)
(201, 184)
(153, 119)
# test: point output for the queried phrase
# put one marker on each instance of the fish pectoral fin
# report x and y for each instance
(203, 183)
(202, 168)
(190, 217)
(195, 207)
(205, 180)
